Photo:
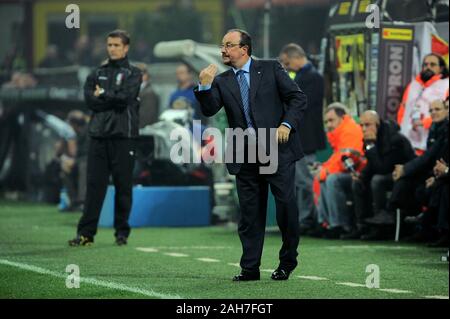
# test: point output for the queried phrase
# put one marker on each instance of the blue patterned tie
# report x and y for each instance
(245, 94)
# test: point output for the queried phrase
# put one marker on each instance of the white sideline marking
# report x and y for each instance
(396, 291)
(312, 278)
(147, 249)
(92, 281)
(316, 278)
(176, 255)
(388, 247)
(190, 247)
(437, 297)
(208, 260)
(350, 284)
(268, 270)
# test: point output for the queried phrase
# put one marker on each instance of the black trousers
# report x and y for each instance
(403, 193)
(107, 157)
(252, 188)
(370, 199)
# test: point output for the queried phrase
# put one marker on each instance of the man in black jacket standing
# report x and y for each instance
(259, 96)
(384, 147)
(111, 93)
(312, 133)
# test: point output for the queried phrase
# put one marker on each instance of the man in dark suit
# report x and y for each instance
(259, 95)
(312, 133)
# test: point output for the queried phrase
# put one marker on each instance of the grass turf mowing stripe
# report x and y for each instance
(176, 255)
(147, 250)
(209, 260)
(350, 284)
(92, 281)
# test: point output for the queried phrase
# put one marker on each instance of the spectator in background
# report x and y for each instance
(53, 58)
(441, 192)
(73, 159)
(413, 174)
(312, 134)
(142, 51)
(65, 152)
(13, 60)
(82, 52)
(414, 181)
(149, 110)
(20, 80)
(384, 148)
(98, 52)
(184, 97)
(413, 115)
(346, 139)
(79, 122)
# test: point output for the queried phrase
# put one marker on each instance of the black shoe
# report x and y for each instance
(281, 274)
(420, 237)
(382, 218)
(355, 234)
(441, 243)
(374, 234)
(81, 241)
(247, 276)
(318, 232)
(121, 240)
(305, 229)
(334, 233)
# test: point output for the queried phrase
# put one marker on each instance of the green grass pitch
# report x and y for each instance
(198, 263)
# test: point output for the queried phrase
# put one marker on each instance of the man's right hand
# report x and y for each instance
(207, 75)
(97, 91)
(356, 176)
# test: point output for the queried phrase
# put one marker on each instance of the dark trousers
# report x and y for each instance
(370, 199)
(403, 194)
(443, 208)
(252, 188)
(107, 157)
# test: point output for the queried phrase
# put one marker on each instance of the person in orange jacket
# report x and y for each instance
(413, 114)
(346, 139)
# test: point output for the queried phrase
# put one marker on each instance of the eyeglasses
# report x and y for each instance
(431, 64)
(228, 46)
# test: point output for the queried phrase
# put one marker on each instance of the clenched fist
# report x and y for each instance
(207, 75)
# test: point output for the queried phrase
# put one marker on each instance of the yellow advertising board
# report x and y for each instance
(350, 50)
(397, 34)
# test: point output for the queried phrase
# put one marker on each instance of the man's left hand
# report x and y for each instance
(399, 171)
(283, 134)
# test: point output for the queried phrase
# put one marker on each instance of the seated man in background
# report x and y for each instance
(432, 195)
(410, 176)
(345, 136)
(384, 148)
